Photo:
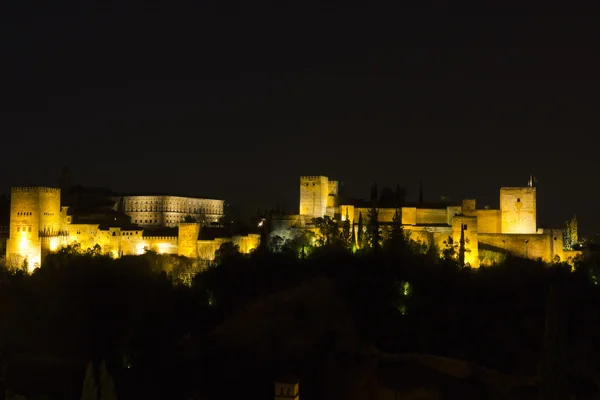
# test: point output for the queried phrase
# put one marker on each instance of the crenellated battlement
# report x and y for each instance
(310, 178)
(30, 189)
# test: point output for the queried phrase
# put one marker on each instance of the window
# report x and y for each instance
(465, 227)
(518, 199)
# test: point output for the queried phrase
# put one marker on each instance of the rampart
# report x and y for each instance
(547, 246)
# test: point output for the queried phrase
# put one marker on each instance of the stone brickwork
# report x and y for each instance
(169, 210)
(39, 226)
(518, 210)
(314, 195)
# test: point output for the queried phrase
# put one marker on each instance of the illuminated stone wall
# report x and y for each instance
(314, 194)
(518, 210)
(426, 216)
(187, 240)
(247, 243)
(425, 235)
(546, 245)
(506, 228)
(39, 226)
(488, 221)
(332, 193)
(409, 215)
(169, 210)
(29, 208)
(347, 210)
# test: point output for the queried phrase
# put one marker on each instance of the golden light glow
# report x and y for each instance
(23, 242)
(163, 248)
(140, 248)
(53, 244)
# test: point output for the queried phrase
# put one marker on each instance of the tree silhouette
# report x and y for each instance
(328, 231)
(461, 246)
(360, 234)
(373, 229)
(107, 386)
(346, 234)
(90, 390)
(189, 219)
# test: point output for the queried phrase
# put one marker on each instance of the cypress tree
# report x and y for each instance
(461, 246)
(89, 390)
(107, 386)
(360, 231)
(373, 229)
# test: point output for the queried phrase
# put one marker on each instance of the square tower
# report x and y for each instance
(287, 389)
(34, 212)
(518, 210)
(187, 239)
(314, 193)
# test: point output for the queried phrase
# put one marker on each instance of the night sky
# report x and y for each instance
(237, 102)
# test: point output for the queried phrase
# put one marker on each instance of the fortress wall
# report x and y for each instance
(385, 215)
(429, 235)
(544, 246)
(207, 248)
(409, 215)
(86, 235)
(488, 221)
(160, 244)
(247, 243)
(427, 216)
(451, 212)
(332, 195)
(349, 211)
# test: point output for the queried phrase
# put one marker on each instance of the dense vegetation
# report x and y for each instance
(229, 331)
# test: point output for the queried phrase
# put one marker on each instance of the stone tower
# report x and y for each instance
(518, 210)
(34, 212)
(187, 239)
(287, 389)
(317, 193)
(313, 196)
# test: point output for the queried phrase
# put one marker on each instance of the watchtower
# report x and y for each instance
(187, 239)
(314, 192)
(34, 212)
(287, 389)
(518, 209)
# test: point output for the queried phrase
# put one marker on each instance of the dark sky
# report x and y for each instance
(238, 101)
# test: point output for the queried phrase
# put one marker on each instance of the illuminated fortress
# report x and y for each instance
(40, 225)
(510, 229)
